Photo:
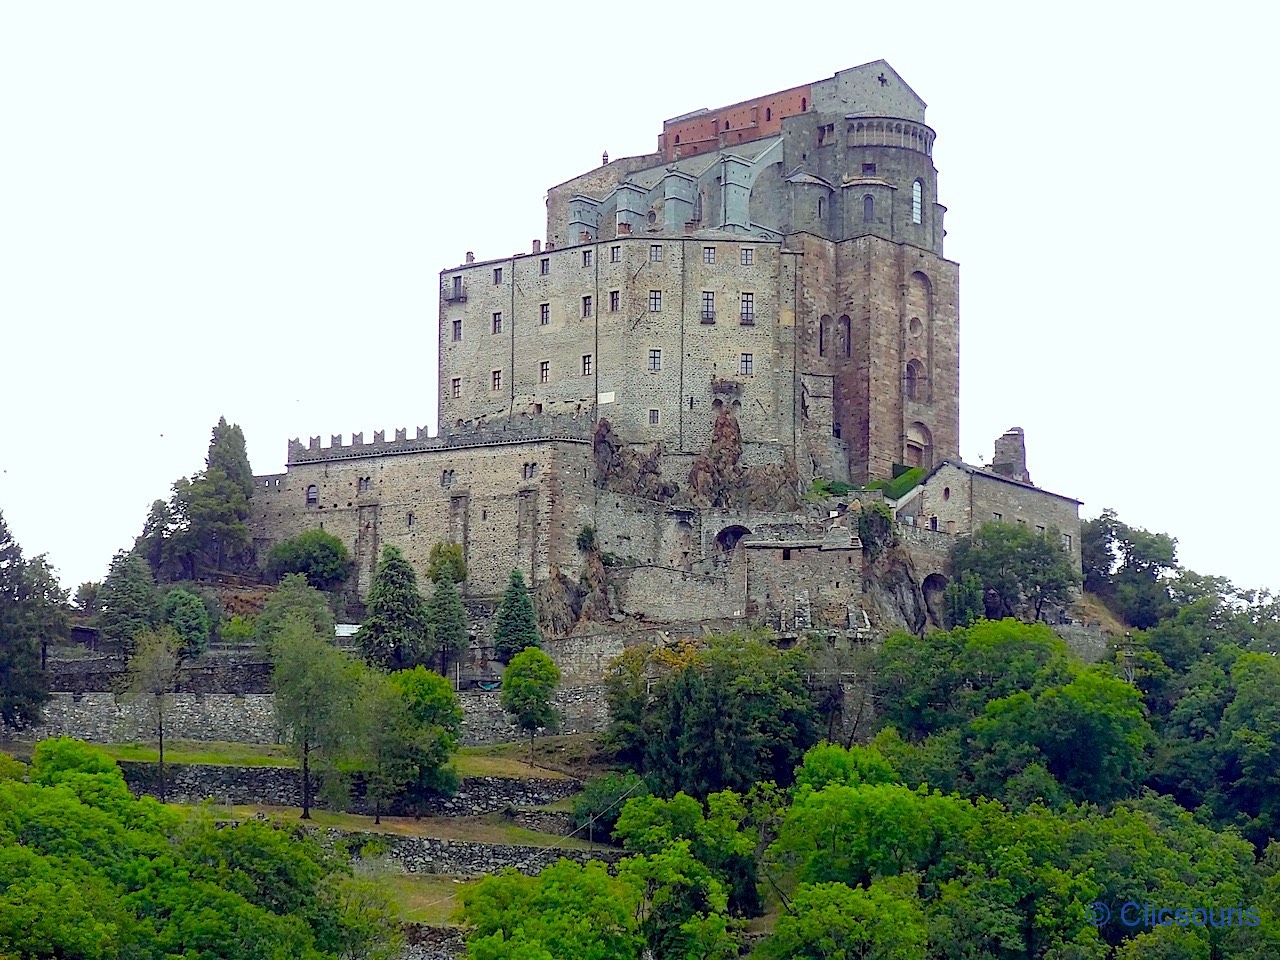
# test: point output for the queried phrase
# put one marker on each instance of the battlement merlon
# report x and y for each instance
(482, 432)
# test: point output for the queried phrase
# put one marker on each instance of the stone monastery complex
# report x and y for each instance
(706, 330)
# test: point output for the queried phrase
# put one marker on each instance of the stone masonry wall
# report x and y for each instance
(282, 787)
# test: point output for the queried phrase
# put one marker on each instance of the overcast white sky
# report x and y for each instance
(241, 209)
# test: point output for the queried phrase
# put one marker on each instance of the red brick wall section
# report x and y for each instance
(736, 123)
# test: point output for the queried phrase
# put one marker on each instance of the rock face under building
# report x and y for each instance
(708, 329)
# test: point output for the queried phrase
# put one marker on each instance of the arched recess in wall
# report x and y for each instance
(824, 334)
(917, 202)
(844, 337)
(868, 208)
(918, 308)
(313, 495)
(918, 449)
(913, 380)
(934, 588)
(728, 539)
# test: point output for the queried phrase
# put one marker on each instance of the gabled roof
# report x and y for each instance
(987, 474)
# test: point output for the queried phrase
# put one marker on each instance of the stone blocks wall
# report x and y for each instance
(468, 858)
(282, 787)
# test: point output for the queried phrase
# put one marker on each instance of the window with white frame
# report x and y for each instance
(655, 360)
(746, 365)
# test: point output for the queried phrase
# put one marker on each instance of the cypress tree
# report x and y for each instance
(516, 625)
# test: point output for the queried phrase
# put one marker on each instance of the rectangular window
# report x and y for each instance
(748, 256)
(708, 306)
(746, 365)
(615, 254)
(586, 306)
(457, 329)
(497, 276)
(544, 266)
(586, 258)
(654, 417)
(586, 364)
(1066, 541)
(708, 254)
(997, 516)
(614, 297)
(655, 253)
(544, 314)
(748, 308)
(497, 323)
(544, 371)
(655, 301)
(868, 169)
(455, 387)
(457, 288)
(497, 379)
(1040, 530)
(655, 361)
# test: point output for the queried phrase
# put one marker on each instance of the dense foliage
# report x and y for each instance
(1021, 572)
(448, 619)
(316, 554)
(528, 684)
(188, 617)
(702, 718)
(446, 559)
(515, 626)
(32, 612)
(129, 599)
(88, 871)
(396, 633)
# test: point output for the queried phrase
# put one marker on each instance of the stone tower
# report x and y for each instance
(780, 258)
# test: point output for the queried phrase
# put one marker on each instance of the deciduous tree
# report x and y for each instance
(446, 558)
(152, 681)
(527, 687)
(316, 554)
(293, 598)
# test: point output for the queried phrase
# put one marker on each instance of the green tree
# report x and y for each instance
(186, 614)
(446, 558)
(316, 686)
(88, 598)
(448, 619)
(436, 717)
(388, 744)
(316, 554)
(964, 601)
(597, 807)
(294, 597)
(528, 684)
(1249, 747)
(32, 612)
(396, 633)
(1130, 568)
(130, 601)
(734, 713)
(1020, 571)
(217, 501)
(831, 921)
(152, 681)
(515, 624)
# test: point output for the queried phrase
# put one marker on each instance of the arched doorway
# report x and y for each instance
(918, 449)
(727, 539)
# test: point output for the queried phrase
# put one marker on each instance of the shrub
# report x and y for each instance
(601, 800)
(318, 555)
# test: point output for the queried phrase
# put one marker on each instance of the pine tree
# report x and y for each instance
(396, 634)
(448, 620)
(130, 601)
(32, 612)
(516, 625)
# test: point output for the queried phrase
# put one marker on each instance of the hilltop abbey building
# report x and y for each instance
(762, 301)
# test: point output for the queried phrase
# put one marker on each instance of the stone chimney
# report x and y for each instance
(1010, 458)
(537, 246)
(471, 257)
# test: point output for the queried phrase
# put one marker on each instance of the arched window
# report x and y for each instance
(677, 138)
(823, 323)
(917, 202)
(868, 208)
(821, 208)
(768, 114)
(726, 124)
(313, 495)
(804, 104)
(912, 381)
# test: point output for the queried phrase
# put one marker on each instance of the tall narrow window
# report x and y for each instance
(497, 323)
(746, 365)
(655, 361)
(457, 329)
(544, 314)
(868, 207)
(917, 202)
(544, 371)
(654, 417)
(586, 364)
(708, 254)
(655, 301)
(748, 256)
(455, 387)
(748, 308)
(545, 266)
(497, 379)
(313, 495)
(497, 276)
(615, 254)
(586, 258)
(586, 306)
(708, 306)
(655, 253)
(614, 297)
(912, 379)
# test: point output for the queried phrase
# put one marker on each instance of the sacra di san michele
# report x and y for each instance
(761, 302)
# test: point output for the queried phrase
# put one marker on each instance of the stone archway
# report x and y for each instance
(933, 588)
(727, 539)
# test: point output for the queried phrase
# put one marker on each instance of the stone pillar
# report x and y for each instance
(1010, 458)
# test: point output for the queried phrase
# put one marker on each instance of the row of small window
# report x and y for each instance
(746, 368)
(1040, 529)
(746, 312)
(746, 256)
